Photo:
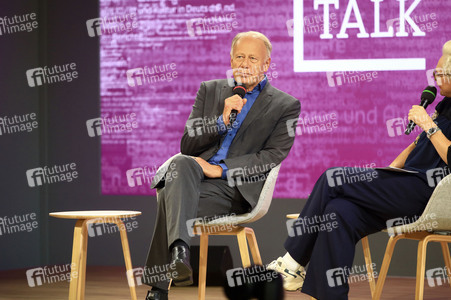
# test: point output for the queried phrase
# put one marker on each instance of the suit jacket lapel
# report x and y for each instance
(260, 105)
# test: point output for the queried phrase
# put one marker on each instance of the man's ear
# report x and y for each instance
(267, 64)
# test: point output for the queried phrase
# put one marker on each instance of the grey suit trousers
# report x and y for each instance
(186, 196)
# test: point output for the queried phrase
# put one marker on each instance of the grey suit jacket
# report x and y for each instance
(262, 141)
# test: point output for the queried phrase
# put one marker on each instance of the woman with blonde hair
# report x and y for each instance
(359, 208)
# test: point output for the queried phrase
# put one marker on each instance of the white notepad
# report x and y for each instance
(393, 169)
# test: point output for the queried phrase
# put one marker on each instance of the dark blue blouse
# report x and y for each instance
(424, 156)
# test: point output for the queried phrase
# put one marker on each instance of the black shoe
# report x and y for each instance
(157, 295)
(180, 259)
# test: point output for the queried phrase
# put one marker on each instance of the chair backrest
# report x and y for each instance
(262, 207)
(437, 214)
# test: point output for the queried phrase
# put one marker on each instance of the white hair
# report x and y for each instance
(253, 34)
(447, 55)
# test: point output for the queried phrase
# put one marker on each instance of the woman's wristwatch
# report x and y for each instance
(432, 131)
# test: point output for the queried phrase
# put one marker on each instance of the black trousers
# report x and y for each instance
(338, 214)
(187, 195)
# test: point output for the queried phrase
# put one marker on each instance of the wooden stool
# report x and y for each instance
(367, 255)
(80, 245)
(244, 236)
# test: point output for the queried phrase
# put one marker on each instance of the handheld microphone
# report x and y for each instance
(427, 97)
(239, 90)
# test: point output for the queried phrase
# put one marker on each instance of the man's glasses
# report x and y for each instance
(439, 75)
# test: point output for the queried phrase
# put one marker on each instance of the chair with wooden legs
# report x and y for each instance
(434, 225)
(368, 261)
(230, 225)
(80, 245)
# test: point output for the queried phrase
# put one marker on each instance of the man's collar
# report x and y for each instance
(261, 84)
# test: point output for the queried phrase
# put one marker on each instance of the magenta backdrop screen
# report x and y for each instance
(356, 81)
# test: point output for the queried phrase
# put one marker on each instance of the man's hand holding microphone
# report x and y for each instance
(233, 105)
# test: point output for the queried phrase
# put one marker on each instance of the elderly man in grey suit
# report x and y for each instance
(215, 148)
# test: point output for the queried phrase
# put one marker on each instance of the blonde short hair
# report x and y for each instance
(256, 35)
(447, 54)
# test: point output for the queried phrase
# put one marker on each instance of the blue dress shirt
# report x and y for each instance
(231, 131)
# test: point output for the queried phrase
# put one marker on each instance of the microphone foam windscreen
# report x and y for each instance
(429, 94)
(239, 90)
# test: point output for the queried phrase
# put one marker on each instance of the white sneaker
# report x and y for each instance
(292, 281)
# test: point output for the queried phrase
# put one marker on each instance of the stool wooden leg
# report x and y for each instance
(126, 250)
(253, 246)
(84, 256)
(447, 258)
(203, 256)
(242, 244)
(369, 265)
(78, 266)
